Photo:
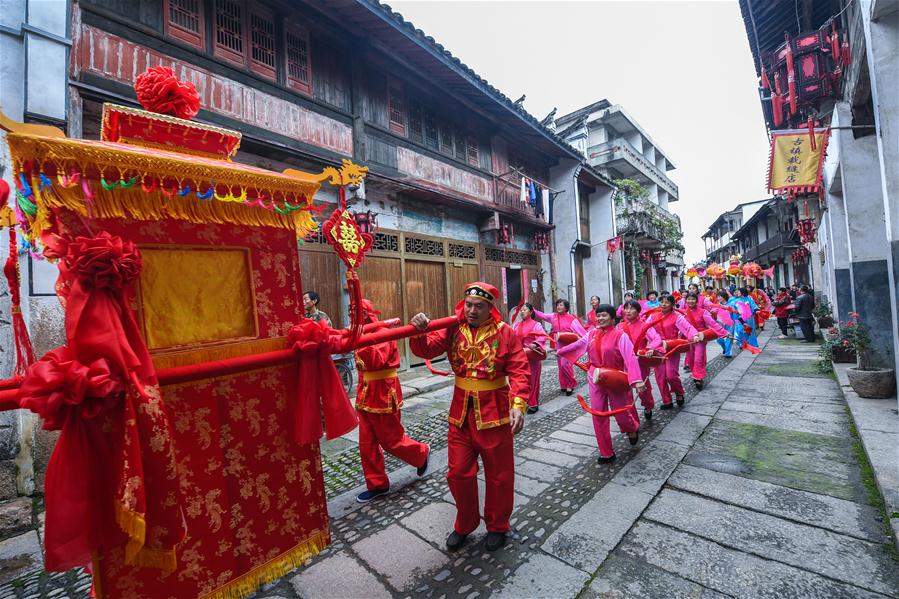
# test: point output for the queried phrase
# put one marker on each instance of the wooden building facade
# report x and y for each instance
(311, 83)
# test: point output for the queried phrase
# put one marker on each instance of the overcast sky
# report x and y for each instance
(682, 69)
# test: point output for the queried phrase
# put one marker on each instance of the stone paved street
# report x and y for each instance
(754, 488)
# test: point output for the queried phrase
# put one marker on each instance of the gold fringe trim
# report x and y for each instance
(136, 554)
(133, 203)
(197, 355)
(248, 583)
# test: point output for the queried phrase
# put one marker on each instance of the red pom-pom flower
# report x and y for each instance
(158, 90)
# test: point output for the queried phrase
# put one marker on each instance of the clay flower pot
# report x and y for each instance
(874, 383)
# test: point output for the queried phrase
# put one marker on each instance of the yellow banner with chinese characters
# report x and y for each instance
(796, 160)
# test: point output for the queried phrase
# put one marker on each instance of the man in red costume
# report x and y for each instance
(378, 401)
(487, 409)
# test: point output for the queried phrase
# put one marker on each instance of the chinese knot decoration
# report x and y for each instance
(806, 229)
(343, 234)
(801, 255)
(803, 71)
(541, 242)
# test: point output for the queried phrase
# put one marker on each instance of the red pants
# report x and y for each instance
(646, 399)
(386, 431)
(494, 446)
(536, 370)
(688, 357)
(668, 378)
(698, 362)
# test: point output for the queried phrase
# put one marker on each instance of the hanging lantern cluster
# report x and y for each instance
(804, 70)
(505, 235)
(807, 229)
(801, 255)
(541, 241)
(645, 256)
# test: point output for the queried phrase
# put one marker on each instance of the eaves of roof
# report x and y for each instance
(401, 26)
(764, 210)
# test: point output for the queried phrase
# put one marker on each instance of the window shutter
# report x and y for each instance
(446, 138)
(473, 154)
(396, 106)
(298, 57)
(229, 31)
(262, 42)
(431, 137)
(184, 21)
(459, 139)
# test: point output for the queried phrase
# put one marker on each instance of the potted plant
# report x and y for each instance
(823, 313)
(866, 380)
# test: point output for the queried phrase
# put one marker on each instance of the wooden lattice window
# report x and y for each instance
(463, 251)
(474, 158)
(446, 138)
(386, 242)
(229, 31)
(184, 21)
(416, 126)
(298, 55)
(262, 42)
(459, 141)
(424, 247)
(396, 106)
(431, 136)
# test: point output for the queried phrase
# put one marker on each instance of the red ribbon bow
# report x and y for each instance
(319, 387)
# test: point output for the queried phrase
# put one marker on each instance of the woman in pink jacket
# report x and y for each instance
(608, 347)
(668, 323)
(563, 322)
(700, 319)
(533, 340)
(590, 319)
(633, 327)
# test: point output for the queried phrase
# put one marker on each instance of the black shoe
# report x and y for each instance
(533, 409)
(667, 406)
(647, 414)
(606, 460)
(680, 400)
(635, 439)
(424, 467)
(495, 540)
(366, 496)
(568, 391)
(686, 368)
(698, 383)
(455, 540)
(729, 357)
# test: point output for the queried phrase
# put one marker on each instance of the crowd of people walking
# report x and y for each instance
(498, 367)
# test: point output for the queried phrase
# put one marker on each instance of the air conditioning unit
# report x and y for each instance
(491, 224)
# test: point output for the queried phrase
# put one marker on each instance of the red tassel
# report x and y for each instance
(24, 350)
(791, 77)
(766, 85)
(777, 102)
(847, 55)
(811, 135)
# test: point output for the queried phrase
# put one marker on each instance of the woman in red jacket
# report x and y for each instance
(782, 309)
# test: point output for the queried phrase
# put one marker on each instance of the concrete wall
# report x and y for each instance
(565, 218)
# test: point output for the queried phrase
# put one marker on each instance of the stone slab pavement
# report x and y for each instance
(754, 488)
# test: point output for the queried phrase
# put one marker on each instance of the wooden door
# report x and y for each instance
(425, 291)
(382, 284)
(320, 272)
(494, 276)
(460, 275)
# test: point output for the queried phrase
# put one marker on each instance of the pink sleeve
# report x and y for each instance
(542, 315)
(577, 327)
(653, 339)
(631, 365)
(713, 324)
(620, 311)
(684, 326)
(574, 350)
